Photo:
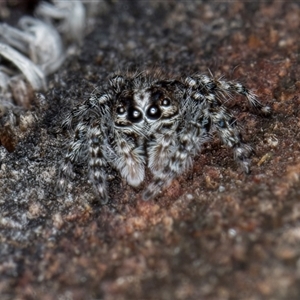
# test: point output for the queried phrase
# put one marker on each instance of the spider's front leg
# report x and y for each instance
(186, 143)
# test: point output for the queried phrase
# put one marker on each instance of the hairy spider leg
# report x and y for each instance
(225, 89)
(98, 162)
(76, 151)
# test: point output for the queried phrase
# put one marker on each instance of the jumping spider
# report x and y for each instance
(146, 120)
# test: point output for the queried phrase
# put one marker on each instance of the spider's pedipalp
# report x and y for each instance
(130, 160)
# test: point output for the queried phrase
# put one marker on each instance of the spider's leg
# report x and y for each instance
(98, 161)
(187, 144)
(96, 106)
(81, 117)
(130, 159)
(237, 88)
(77, 150)
(225, 125)
(225, 89)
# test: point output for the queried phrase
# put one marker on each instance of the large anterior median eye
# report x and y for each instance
(134, 115)
(153, 112)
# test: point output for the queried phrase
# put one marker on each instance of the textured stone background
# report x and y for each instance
(216, 233)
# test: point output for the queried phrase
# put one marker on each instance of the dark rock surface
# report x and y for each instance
(216, 233)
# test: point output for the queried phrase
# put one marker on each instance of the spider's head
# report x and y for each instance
(140, 106)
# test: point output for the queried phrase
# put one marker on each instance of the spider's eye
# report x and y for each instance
(166, 102)
(153, 112)
(134, 115)
(121, 110)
